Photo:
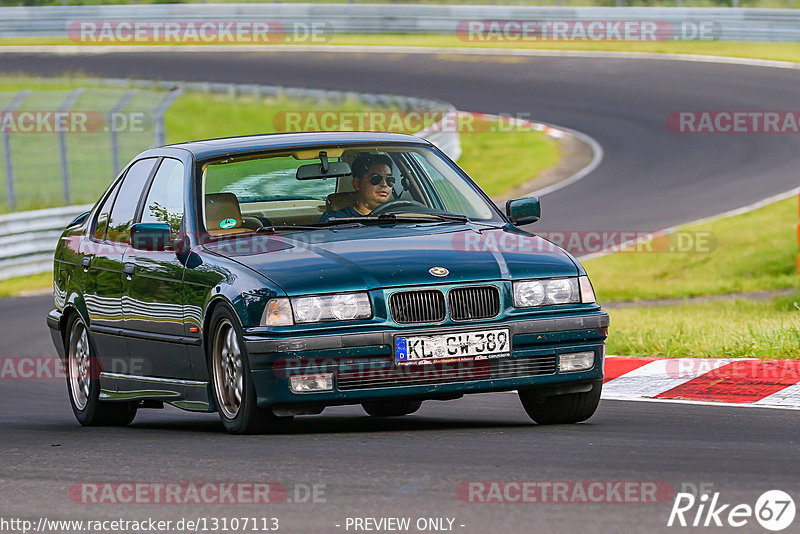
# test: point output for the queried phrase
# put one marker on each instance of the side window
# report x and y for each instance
(165, 200)
(121, 218)
(102, 214)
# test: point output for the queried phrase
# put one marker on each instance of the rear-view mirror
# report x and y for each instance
(314, 171)
(323, 169)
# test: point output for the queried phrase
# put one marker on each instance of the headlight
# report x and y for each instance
(341, 307)
(562, 291)
(527, 294)
(278, 312)
(530, 293)
(307, 309)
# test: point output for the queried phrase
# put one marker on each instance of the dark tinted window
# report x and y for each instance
(124, 209)
(165, 200)
(102, 214)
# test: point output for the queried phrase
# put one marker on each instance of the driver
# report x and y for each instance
(372, 182)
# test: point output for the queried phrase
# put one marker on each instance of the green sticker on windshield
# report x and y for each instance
(227, 223)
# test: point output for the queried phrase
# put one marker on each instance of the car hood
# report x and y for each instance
(347, 259)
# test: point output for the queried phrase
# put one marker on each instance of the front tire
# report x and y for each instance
(561, 409)
(234, 391)
(391, 408)
(83, 382)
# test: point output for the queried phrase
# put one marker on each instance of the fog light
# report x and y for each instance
(575, 361)
(308, 383)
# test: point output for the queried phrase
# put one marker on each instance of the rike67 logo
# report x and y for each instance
(774, 510)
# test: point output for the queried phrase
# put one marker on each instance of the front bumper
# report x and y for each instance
(363, 364)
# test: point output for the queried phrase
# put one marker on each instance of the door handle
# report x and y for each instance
(129, 269)
(86, 261)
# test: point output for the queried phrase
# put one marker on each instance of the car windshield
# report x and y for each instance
(398, 183)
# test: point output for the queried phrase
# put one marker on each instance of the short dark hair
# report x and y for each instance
(365, 161)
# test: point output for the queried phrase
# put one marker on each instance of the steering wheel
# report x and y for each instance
(395, 204)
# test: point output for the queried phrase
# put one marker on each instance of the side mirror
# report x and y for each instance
(523, 210)
(182, 248)
(150, 236)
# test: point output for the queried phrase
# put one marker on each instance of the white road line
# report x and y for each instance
(789, 396)
(597, 158)
(702, 403)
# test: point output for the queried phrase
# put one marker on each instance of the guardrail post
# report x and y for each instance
(62, 141)
(161, 131)
(11, 198)
(119, 106)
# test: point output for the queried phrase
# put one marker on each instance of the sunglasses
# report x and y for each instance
(376, 179)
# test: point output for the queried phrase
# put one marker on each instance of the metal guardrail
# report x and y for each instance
(740, 24)
(28, 239)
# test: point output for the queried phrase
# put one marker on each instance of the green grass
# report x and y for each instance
(36, 156)
(222, 116)
(719, 329)
(20, 284)
(501, 161)
(755, 251)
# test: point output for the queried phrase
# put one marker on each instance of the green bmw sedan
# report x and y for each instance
(270, 276)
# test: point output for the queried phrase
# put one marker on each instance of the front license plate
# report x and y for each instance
(480, 344)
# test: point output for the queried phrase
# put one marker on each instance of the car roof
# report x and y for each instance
(211, 148)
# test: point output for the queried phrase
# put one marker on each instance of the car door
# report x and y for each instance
(103, 263)
(153, 285)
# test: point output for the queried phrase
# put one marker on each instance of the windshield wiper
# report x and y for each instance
(441, 216)
(390, 218)
(274, 229)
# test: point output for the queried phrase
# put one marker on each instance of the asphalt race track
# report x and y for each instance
(650, 178)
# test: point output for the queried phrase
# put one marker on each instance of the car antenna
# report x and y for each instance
(323, 156)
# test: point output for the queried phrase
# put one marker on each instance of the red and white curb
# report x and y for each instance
(751, 382)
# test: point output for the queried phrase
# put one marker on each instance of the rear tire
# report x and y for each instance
(234, 391)
(83, 382)
(561, 409)
(391, 408)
